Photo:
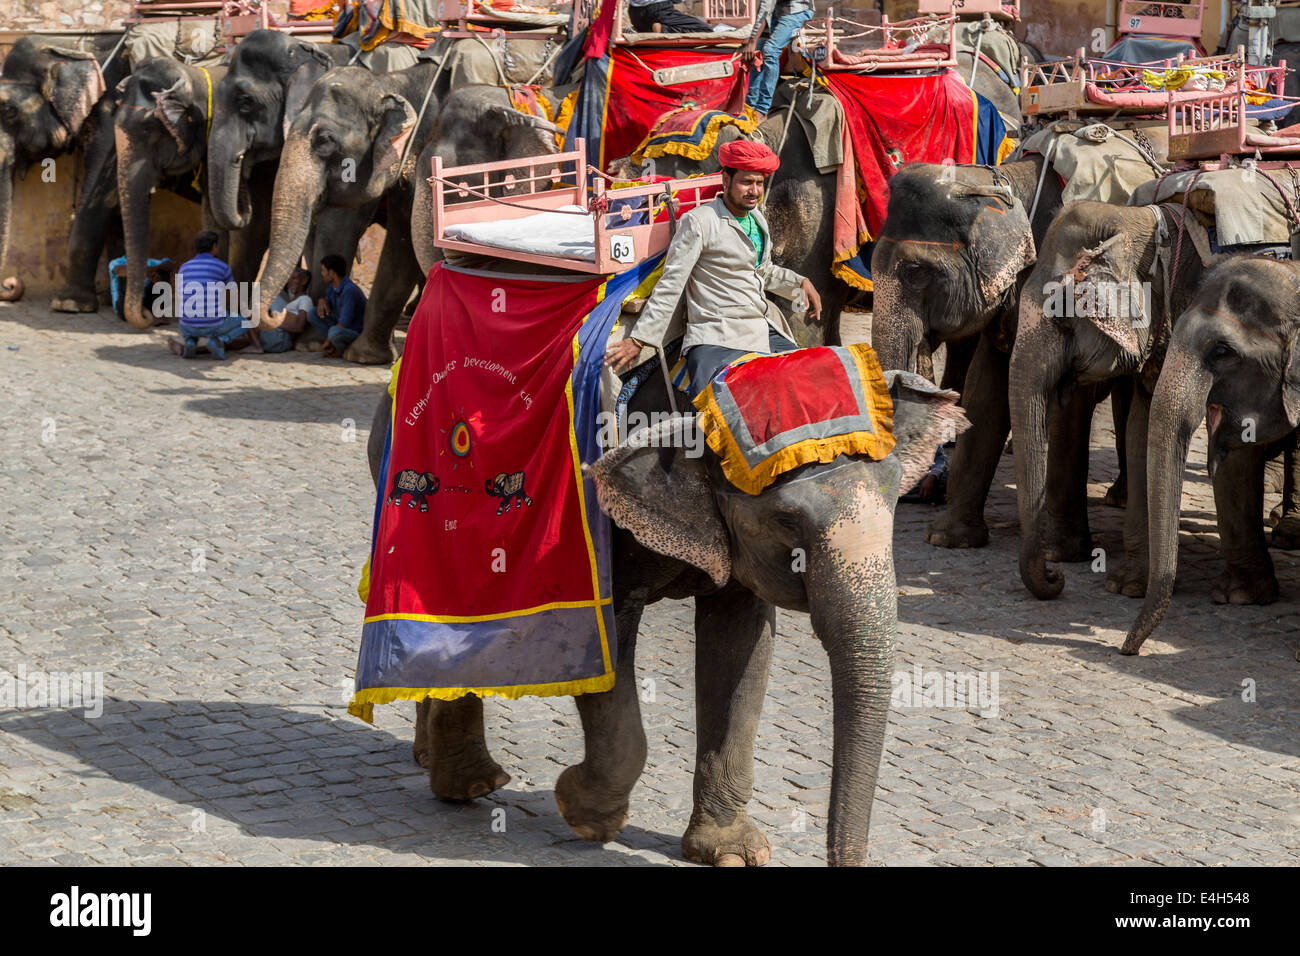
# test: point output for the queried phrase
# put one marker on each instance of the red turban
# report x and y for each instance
(744, 154)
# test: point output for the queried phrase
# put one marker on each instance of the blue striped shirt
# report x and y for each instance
(203, 291)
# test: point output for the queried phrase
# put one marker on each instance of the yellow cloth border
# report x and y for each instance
(875, 444)
(694, 151)
(317, 13)
(363, 701)
(363, 586)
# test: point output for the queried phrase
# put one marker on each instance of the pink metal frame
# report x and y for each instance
(734, 13)
(1160, 18)
(1062, 86)
(971, 9)
(548, 182)
(1218, 124)
(457, 15)
(237, 19)
(879, 49)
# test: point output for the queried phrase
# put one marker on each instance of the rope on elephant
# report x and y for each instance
(785, 127)
(1042, 175)
(547, 60)
(117, 49)
(419, 117)
(495, 62)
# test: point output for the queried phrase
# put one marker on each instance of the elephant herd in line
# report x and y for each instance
(959, 261)
(291, 152)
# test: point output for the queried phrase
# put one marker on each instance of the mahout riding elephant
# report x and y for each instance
(683, 531)
(54, 99)
(160, 129)
(948, 266)
(1095, 309)
(1233, 361)
(267, 80)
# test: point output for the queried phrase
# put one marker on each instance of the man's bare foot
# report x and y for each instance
(329, 351)
(175, 346)
(160, 320)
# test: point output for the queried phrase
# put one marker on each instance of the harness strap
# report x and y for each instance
(207, 130)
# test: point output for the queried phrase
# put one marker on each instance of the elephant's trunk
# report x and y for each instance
(854, 605)
(136, 178)
(1037, 363)
(227, 194)
(896, 327)
(11, 287)
(299, 184)
(1177, 408)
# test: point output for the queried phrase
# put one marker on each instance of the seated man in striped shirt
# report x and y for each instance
(205, 284)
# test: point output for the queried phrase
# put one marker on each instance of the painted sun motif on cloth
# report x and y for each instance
(460, 438)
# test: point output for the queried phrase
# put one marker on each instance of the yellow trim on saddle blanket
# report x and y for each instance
(363, 701)
(693, 151)
(877, 444)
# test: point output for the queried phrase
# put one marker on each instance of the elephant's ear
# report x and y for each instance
(171, 106)
(73, 85)
(396, 124)
(1097, 280)
(1001, 239)
(925, 417)
(651, 487)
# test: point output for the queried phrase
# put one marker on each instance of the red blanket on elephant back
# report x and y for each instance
(894, 120)
(769, 414)
(489, 568)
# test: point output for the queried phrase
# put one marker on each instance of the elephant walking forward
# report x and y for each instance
(685, 532)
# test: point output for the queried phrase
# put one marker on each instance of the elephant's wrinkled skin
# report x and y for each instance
(53, 100)
(948, 265)
(1234, 361)
(1085, 318)
(732, 552)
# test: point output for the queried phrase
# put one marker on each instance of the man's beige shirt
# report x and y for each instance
(711, 260)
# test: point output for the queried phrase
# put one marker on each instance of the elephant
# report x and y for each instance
(510, 489)
(160, 128)
(52, 100)
(948, 265)
(265, 86)
(682, 531)
(1234, 361)
(418, 484)
(1094, 309)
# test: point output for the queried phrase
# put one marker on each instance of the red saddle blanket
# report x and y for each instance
(769, 414)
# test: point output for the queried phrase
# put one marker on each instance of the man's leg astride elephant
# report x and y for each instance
(762, 83)
(704, 362)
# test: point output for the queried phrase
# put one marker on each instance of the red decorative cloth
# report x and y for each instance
(748, 156)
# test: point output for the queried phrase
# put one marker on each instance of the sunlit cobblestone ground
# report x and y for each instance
(194, 531)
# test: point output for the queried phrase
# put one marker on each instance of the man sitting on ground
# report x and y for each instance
(338, 316)
(294, 302)
(160, 271)
(205, 284)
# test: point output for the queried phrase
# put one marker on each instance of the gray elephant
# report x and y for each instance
(160, 128)
(948, 265)
(265, 86)
(53, 100)
(1093, 310)
(684, 531)
(1233, 361)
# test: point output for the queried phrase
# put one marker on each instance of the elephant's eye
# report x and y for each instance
(1222, 350)
(9, 114)
(244, 103)
(914, 274)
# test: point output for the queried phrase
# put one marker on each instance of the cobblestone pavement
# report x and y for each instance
(194, 530)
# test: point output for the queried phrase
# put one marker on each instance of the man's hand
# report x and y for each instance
(747, 51)
(622, 355)
(814, 300)
(322, 307)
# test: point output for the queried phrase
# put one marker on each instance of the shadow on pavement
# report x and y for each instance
(278, 773)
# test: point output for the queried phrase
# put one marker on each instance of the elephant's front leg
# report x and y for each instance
(1130, 577)
(1121, 399)
(1239, 503)
(401, 275)
(450, 742)
(976, 458)
(734, 634)
(1068, 535)
(593, 796)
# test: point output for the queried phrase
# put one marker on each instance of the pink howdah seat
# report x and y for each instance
(537, 209)
(1157, 18)
(837, 43)
(971, 9)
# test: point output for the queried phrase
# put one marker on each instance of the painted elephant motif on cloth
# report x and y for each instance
(418, 484)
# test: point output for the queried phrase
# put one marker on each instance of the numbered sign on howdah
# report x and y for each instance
(622, 249)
